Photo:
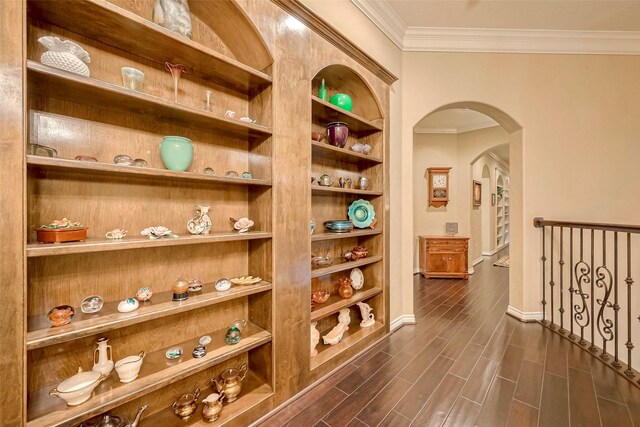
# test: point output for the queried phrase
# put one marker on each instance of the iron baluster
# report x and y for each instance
(544, 281)
(583, 274)
(551, 282)
(616, 306)
(592, 347)
(571, 289)
(604, 281)
(561, 263)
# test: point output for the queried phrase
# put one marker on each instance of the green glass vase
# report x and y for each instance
(176, 153)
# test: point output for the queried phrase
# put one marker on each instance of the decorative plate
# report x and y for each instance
(361, 213)
(357, 279)
(245, 280)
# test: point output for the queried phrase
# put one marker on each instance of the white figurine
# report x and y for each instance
(173, 15)
(335, 335)
(366, 312)
(315, 339)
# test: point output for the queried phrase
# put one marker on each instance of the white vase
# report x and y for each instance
(103, 357)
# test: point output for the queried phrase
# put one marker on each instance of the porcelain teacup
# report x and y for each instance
(117, 233)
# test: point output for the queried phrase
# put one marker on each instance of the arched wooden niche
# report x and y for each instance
(235, 30)
(342, 79)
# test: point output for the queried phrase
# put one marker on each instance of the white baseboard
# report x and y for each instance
(471, 270)
(416, 270)
(478, 261)
(495, 251)
(405, 319)
(529, 316)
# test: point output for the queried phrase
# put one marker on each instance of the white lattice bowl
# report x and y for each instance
(65, 55)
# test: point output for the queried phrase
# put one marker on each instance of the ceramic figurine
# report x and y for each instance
(200, 223)
(157, 232)
(103, 357)
(345, 290)
(246, 175)
(208, 171)
(231, 382)
(195, 285)
(335, 335)
(173, 353)
(61, 315)
(65, 55)
(132, 78)
(230, 114)
(242, 225)
(325, 180)
(222, 284)
(144, 294)
(92, 304)
(199, 351)
(139, 163)
(129, 367)
(212, 407)
(176, 70)
(116, 234)
(173, 15)
(186, 404)
(180, 290)
(128, 305)
(315, 339)
(366, 312)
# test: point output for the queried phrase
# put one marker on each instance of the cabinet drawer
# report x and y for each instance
(449, 250)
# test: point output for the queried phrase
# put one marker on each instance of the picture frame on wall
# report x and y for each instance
(477, 193)
(493, 199)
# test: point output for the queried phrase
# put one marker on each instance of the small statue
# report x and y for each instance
(366, 312)
(173, 15)
(315, 339)
(335, 335)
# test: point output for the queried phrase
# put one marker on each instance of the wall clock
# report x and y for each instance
(438, 179)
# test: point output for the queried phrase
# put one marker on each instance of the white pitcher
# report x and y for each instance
(104, 361)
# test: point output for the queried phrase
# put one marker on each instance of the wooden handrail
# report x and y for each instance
(540, 222)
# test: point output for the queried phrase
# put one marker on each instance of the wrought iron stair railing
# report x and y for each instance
(587, 288)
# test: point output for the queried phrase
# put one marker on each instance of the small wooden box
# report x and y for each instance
(61, 235)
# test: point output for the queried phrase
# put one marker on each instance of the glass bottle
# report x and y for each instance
(322, 93)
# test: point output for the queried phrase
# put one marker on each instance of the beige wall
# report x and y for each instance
(579, 138)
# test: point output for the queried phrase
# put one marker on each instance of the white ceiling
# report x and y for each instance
(601, 15)
(521, 26)
(458, 120)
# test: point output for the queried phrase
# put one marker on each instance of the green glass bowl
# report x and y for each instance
(342, 100)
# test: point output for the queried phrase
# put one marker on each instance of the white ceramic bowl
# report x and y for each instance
(78, 388)
(129, 367)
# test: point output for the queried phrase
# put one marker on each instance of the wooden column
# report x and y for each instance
(12, 206)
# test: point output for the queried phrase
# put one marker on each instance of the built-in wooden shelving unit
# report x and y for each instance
(336, 303)
(354, 335)
(326, 151)
(319, 236)
(344, 265)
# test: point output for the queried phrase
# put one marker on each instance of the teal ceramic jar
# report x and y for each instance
(176, 153)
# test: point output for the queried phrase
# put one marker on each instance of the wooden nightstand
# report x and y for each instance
(444, 256)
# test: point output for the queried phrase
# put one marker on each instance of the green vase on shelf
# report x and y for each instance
(322, 93)
(176, 153)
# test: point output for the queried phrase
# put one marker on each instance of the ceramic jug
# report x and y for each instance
(200, 223)
(345, 290)
(212, 407)
(103, 357)
(231, 382)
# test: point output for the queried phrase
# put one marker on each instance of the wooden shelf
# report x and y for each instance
(254, 391)
(60, 84)
(341, 265)
(351, 337)
(40, 334)
(337, 303)
(156, 372)
(318, 189)
(117, 27)
(315, 237)
(104, 245)
(324, 112)
(92, 168)
(327, 151)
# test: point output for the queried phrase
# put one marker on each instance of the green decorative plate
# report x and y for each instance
(361, 213)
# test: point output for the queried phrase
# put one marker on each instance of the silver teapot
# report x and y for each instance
(325, 180)
(115, 421)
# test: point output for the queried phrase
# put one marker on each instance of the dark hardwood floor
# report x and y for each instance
(467, 363)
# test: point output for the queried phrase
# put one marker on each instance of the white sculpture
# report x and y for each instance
(65, 55)
(366, 312)
(315, 339)
(335, 335)
(173, 15)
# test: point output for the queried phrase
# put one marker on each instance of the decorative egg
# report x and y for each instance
(128, 305)
(223, 284)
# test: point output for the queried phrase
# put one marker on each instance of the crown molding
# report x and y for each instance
(521, 41)
(432, 39)
(469, 128)
(385, 18)
(325, 30)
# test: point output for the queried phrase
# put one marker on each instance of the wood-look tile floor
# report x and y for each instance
(466, 363)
